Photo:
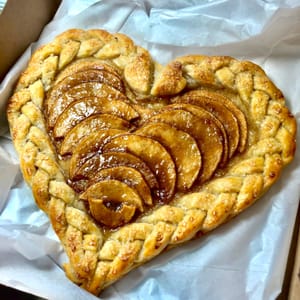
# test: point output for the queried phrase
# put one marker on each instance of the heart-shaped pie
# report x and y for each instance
(129, 158)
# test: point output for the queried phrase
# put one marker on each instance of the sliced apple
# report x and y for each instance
(154, 155)
(86, 171)
(241, 119)
(219, 110)
(182, 147)
(91, 124)
(89, 146)
(85, 65)
(112, 218)
(206, 133)
(83, 90)
(83, 108)
(211, 121)
(81, 77)
(112, 202)
(128, 175)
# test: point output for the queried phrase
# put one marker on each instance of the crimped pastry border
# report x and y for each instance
(98, 259)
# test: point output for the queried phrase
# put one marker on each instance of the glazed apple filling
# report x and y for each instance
(123, 155)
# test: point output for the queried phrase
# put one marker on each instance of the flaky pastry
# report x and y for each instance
(129, 158)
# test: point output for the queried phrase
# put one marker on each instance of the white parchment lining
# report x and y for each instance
(244, 259)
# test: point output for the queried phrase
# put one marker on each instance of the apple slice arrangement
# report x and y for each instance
(129, 158)
(122, 162)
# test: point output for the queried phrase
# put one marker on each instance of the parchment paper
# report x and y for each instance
(244, 259)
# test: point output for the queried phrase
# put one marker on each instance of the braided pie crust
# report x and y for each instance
(256, 141)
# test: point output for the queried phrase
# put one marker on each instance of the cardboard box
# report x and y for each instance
(21, 23)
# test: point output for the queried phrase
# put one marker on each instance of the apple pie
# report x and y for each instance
(129, 158)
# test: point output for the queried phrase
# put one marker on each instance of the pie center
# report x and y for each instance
(124, 154)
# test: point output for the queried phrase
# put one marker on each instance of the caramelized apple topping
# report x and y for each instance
(123, 157)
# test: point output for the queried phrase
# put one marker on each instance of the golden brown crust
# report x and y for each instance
(99, 257)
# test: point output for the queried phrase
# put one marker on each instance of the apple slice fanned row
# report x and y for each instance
(214, 128)
(89, 146)
(80, 91)
(88, 171)
(128, 175)
(181, 146)
(204, 130)
(226, 111)
(119, 158)
(87, 96)
(93, 123)
(72, 84)
(83, 108)
(154, 155)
